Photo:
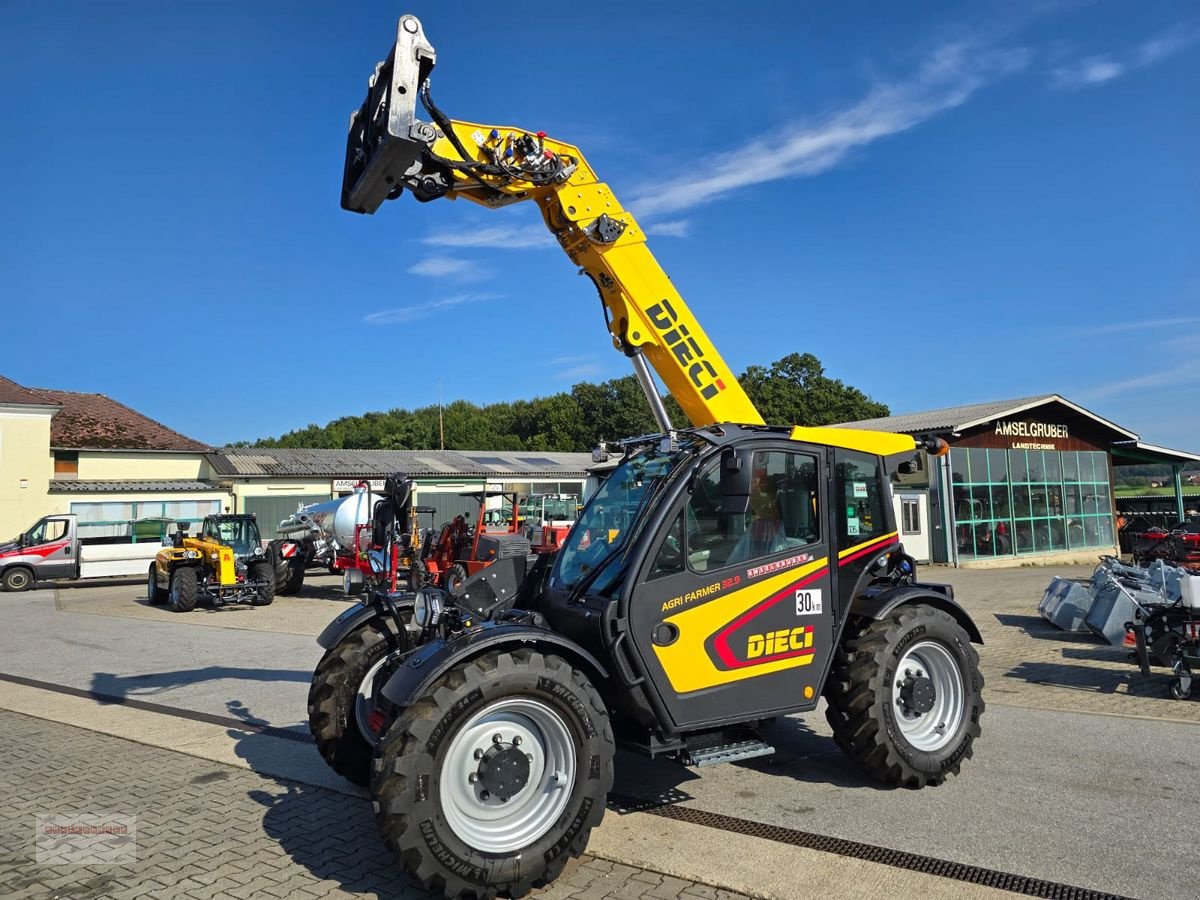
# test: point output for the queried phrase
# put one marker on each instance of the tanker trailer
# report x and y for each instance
(335, 534)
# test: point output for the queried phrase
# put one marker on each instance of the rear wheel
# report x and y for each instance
(496, 776)
(154, 593)
(344, 714)
(264, 574)
(455, 576)
(293, 578)
(181, 596)
(17, 579)
(905, 697)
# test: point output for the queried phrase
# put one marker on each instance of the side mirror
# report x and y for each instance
(378, 566)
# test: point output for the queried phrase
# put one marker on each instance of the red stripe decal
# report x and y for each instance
(872, 547)
(721, 642)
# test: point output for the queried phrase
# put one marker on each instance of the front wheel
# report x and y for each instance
(181, 596)
(264, 574)
(154, 593)
(905, 695)
(495, 778)
(16, 579)
(343, 702)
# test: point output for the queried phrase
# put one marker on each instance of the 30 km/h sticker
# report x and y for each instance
(808, 603)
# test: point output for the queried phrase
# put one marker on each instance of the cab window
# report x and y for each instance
(781, 513)
(859, 490)
(46, 531)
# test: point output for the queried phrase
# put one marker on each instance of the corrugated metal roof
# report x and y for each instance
(948, 419)
(74, 486)
(959, 418)
(257, 461)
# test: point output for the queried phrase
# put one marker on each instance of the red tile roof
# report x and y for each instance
(11, 392)
(97, 422)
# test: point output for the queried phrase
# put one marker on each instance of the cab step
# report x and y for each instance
(725, 753)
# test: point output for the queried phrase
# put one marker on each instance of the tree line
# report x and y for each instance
(793, 390)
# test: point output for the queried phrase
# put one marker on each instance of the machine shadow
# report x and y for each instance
(1038, 628)
(121, 687)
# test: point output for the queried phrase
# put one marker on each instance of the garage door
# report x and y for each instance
(270, 511)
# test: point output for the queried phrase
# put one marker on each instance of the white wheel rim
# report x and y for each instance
(18, 579)
(364, 702)
(491, 824)
(934, 729)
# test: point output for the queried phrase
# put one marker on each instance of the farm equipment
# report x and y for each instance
(724, 575)
(341, 535)
(1156, 609)
(460, 550)
(224, 564)
(1179, 544)
(548, 519)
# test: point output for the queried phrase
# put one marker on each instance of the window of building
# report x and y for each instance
(910, 515)
(1029, 501)
(108, 519)
(782, 513)
(66, 463)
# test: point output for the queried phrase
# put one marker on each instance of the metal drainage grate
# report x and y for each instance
(913, 862)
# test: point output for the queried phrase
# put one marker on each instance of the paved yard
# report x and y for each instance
(1026, 661)
(206, 830)
(1058, 785)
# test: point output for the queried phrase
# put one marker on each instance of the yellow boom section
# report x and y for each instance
(645, 312)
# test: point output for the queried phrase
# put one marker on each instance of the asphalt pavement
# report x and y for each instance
(1100, 800)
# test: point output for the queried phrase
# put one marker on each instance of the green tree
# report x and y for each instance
(793, 390)
(796, 391)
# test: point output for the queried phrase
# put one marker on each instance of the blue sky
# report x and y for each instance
(946, 202)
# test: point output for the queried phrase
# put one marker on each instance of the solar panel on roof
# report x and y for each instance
(538, 461)
(488, 460)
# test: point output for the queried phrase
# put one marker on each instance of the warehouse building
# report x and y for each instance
(1028, 480)
(83, 453)
(271, 483)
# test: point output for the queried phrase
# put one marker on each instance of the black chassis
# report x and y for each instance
(588, 630)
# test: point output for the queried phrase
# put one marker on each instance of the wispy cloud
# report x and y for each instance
(675, 228)
(448, 267)
(401, 314)
(574, 367)
(1142, 325)
(1100, 68)
(524, 237)
(1184, 373)
(947, 79)
(586, 370)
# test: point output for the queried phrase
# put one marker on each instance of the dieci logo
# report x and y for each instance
(785, 641)
(680, 342)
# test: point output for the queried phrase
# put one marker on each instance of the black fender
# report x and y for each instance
(354, 617)
(879, 601)
(436, 657)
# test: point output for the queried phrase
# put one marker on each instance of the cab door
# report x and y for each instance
(731, 612)
(51, 549)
